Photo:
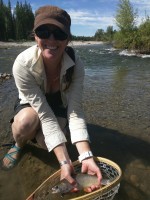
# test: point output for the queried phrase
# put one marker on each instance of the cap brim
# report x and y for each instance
(53, 22)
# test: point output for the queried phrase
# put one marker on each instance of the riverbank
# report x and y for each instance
(31, 43)
(116, 101)
(131, 153)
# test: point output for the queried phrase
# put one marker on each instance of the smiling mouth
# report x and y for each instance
(52, 47)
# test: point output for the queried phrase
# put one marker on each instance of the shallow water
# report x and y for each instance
(116, 103)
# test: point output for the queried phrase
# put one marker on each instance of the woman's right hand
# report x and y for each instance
(67, 171)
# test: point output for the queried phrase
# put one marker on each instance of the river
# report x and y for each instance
(116, 102)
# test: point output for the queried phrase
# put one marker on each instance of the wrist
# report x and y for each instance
(85, 155)
(64, 162)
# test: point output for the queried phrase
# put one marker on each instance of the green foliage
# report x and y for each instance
(9, 23)
(81, 38)
(123, 40)
(2, 21)
(143, 42)
(101, 35)
(110, 33)
(24, 19)
(125, 20)
(16, 26)
(126, 16)
(129, 36)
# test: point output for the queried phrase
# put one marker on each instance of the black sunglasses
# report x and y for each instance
(45, 33)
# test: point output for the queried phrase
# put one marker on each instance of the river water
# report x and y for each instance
(116, 102)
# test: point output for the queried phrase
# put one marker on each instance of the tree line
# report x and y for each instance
(130, 36)
(17, 25)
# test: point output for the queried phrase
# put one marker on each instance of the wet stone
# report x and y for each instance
(5, 77)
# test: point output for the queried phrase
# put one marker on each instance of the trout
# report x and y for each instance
(83, 182)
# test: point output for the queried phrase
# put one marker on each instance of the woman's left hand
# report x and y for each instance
(90, 167)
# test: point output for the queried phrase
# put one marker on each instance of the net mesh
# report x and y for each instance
(108, 171)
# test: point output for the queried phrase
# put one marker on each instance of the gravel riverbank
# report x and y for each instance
(110, 138)
(30, 43)
(118, 124)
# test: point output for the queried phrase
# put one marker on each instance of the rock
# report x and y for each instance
(4, 77)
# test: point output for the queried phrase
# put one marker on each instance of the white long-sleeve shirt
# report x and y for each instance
(30, 79)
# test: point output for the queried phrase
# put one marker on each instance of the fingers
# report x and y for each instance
(84, 168)
(75, 189)
(73, 183)
(90, 167)
(99, 175)
(71, 180)
(91, 188)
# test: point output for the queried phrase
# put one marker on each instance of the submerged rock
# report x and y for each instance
(5, 76)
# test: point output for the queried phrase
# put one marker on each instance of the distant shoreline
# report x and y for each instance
(31, 43)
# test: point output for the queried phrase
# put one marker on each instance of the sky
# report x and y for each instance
(90, 15)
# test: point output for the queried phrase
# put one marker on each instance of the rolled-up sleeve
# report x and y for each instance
(28, 87)
(77, 124)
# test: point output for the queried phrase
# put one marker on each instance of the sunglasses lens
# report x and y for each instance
(44, 33)
(59, 34)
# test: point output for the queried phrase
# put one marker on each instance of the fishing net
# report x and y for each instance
(109, 170)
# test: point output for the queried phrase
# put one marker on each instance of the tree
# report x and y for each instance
(126, 16)
(99, 35)
(9, 24)
(109, 33)
(2, 21)
(143, 42)
(126, 21)
(17, 25)
(24, 19)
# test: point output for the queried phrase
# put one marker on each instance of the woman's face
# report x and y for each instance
(52, 41)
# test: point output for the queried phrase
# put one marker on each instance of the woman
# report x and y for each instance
(50, 96)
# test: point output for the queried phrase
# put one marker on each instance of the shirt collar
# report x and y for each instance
(66, 63)
(38, 65)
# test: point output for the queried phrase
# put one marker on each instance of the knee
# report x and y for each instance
(25, 123)
(22, 124)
